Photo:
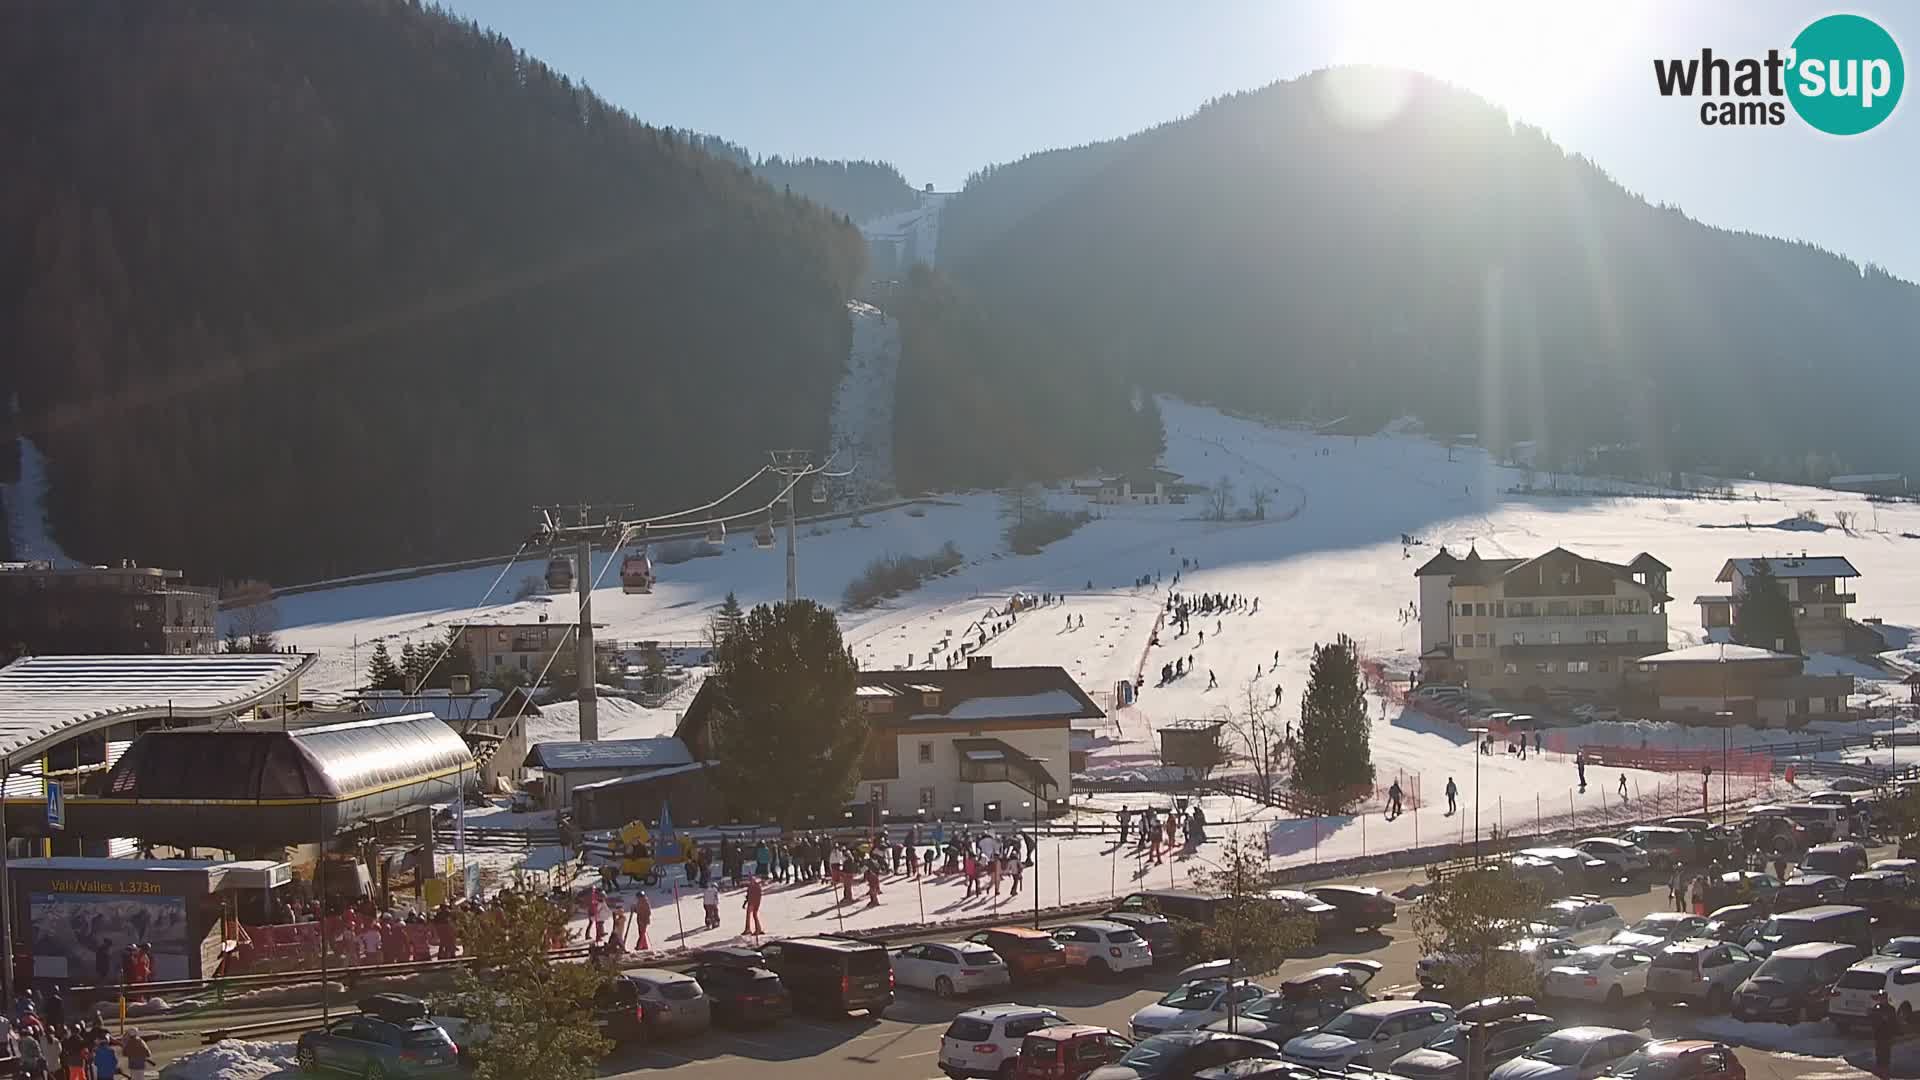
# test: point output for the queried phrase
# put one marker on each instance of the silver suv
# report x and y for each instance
(1699, 972)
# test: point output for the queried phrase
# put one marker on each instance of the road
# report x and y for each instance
(902, 1045)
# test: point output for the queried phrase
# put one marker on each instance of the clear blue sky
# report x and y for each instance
(942, 90)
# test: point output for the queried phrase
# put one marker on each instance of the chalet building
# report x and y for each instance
(522, 647)
(1886, 483)
(1757, 686)
(1151, 487)
(126, 609)
(973, 743)
(1520, 629)
(1819, 589)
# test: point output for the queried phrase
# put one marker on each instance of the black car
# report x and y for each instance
(1304, 1001)
(1158, 930)
(1808, 890)
(1794, 983)
(1360, 907)
(741, 989)
(1177, 1055)
(1887, 895)
(839, 975)
(1506, 1037)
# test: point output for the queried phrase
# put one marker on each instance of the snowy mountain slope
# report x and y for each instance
(26, 522)
(899, 240)
(862, 420)
(1328, 560)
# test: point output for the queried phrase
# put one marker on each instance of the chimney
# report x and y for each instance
(460, 684)
(979, 663)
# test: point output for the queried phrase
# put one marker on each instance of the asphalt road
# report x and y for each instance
(903, 1044)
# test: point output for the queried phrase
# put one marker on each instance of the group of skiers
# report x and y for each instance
(1159, 835)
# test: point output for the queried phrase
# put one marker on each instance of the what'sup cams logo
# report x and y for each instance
(1843, 75)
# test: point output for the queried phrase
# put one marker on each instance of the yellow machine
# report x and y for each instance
(633, 846)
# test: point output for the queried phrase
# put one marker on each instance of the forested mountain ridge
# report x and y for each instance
(319, 286)
(1282, 251)
(862, 190)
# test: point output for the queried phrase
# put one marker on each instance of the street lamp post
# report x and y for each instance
(1477, 732)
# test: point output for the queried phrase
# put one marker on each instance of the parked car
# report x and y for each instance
(1326, 918)
(1259, 1069)
(1665, 846)
(1193, 905)
(1908, 947)
(1903, 990)
(1839, 859)
(1583, 920)
(1768, 829)
(986, 1042)
(1030, 955)
(1304, 1002)
(1159, 932)
(1179, 1055)
(1842, 923)
(390, 1037)
(1628, 860)
(1742, 887)
(1737, 924)
(1607, 973)
(1659, 928)
(1506, 1038)
(1809, 890)
(1581, 870)
(1540, 873)
(1888, 896)
(1068, 1051)
(1361, 907)
(950, 968)
(1909, 867)
(645, 1004)
(1794, 983)
(1679, 1059)
(1439, 969)
(1194, 1005)
(1372, 1034)
(1699, 972)
(1575, 1053)
(741, 990)
(1102, 948)
(839, 975)
(1852, 997)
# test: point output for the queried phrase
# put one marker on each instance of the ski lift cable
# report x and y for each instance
(573, 627)
(446, 641)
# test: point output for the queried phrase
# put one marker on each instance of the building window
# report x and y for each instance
(1833, 612)
(1601, 665)
(1553, 637)
(1480, 610)
(1519, 638)
(1512, 668)
(1833, 704)
(1793, 707)
(523, 662)
(1466, 641)
(926, 753)
(1596, 637)
(1499, 610)
(1633, 635)
(1593, 607)
(1523, 609)
(1483, 640)
(926, 798)
(1577, 667)
(1543, 667)
(1559, 607)
(1630, 606)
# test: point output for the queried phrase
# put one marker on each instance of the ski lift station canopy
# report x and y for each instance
(49, 700)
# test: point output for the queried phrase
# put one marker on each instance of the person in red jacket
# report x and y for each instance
(754, 893)
(642, 915)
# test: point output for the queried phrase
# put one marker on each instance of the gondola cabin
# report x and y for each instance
(636, 572)
(559, 574)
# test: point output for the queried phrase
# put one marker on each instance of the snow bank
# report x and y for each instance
(233, 1059)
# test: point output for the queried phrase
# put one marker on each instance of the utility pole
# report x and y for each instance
(584, 668)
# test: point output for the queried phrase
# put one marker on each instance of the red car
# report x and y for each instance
(1031, 955)
(1068, 1052)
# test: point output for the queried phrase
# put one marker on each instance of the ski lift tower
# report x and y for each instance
(795, 466)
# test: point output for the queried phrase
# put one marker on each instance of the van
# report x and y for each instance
(1842, 860)
(840, 975)
(1191, 905)
(1823, 823)
(1842, 924)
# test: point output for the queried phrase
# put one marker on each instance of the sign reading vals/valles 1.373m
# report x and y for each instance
(1843, 75)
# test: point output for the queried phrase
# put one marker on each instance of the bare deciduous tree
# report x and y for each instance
(1259, 734)
(1260, 497)
(1220, 498)
(252, 616)
(1845, 519)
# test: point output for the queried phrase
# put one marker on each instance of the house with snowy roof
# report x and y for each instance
(1524, 628)
(1749, 685)
(1819, 590)
(977, 743)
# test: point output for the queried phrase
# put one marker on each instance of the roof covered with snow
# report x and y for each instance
(1792, 566)
(481, 704)
(1715, 653)
(608, 754)
(44, 699)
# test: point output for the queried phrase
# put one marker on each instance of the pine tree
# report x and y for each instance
(725, 621)
(1333, 757)
(381, 672)
(785, 728)
(413, 664)
(458, 660)
(1766, 619)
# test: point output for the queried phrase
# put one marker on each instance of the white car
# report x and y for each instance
(1851, 999)
(1194, 1005)
(1629, 861)
(982, 1042)
(950, 967)
(1440, 969)
(1575, 1053)
(1609, 973)
(1374, 1033)
(1544, 953)
(1103, 948)
(1660, 928)
(1583, 920)
(1590, 713)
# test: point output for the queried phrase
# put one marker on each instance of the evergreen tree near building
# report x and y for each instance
(382, 673)
(785, 728)
(1333, 758)
(414, 663)
(1765, 620)
(724, 621)
(458, 660)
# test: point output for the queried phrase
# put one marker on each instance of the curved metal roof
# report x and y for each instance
(330, 763)
(362, 756)
(47, 699)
